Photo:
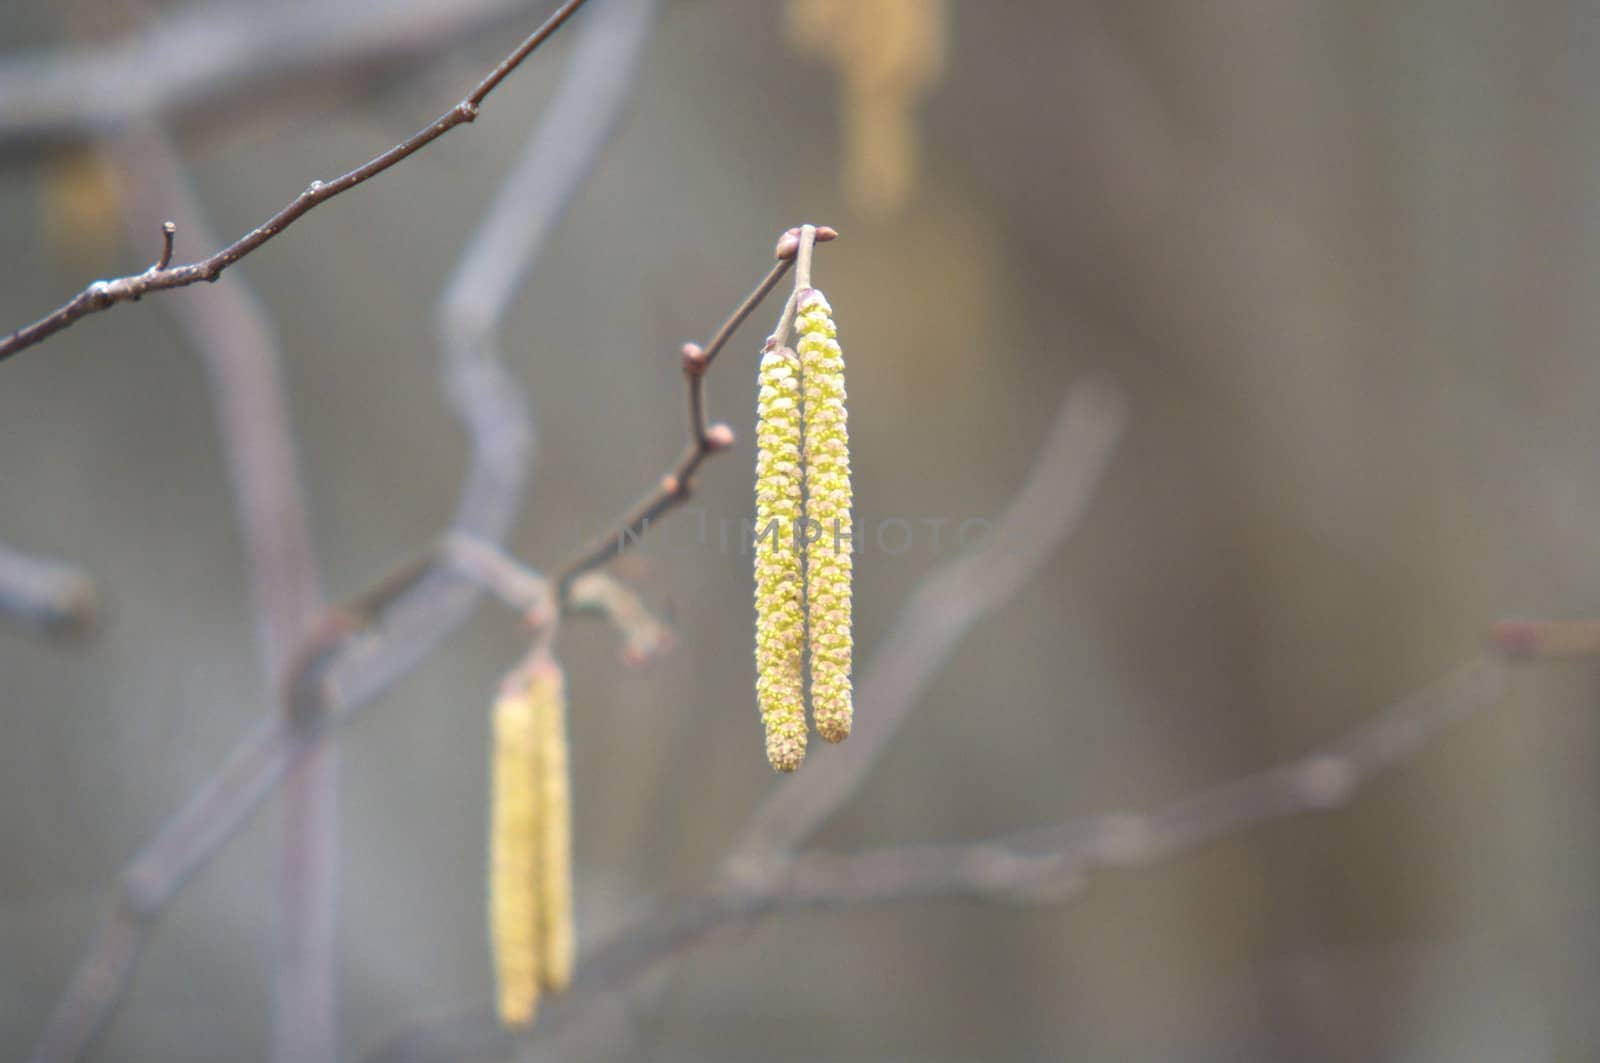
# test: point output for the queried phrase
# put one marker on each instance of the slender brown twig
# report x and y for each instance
(341, 664)
(1047, 866)
(231, 329)
(209, 60)
(704, 439)
(102, 295)
(1044, 512)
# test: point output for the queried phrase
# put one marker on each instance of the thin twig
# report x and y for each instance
(1045, 510)
(104, 294)
(46, 597)
(704, 439)
(232, 332)
(169, 235)
(340, 665)
(581, 118)
(1049, 866)
(210, 60)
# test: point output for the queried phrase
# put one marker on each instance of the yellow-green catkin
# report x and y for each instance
(513, 847)
(827, 480)
(530, 843)
(780, 616)
(547, 691)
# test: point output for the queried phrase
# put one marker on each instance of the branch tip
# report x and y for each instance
(169, 232)
(719, 437)
(695, 359)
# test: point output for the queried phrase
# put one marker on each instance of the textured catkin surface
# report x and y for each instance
(780, 618)
(828, 499)
(547, 691)
(514, 915)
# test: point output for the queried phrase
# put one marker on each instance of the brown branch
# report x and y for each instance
(1045, 510)
(104, 294)
(704, 439)
(210, 59)
(1049, 866)
(581, 118)
(48, 598)
(341, 664)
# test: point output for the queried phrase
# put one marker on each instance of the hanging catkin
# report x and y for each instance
(530, 842)
(513, 842)
(547, 689)
(780, 617)
(828, 546)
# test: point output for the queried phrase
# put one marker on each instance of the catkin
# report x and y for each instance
(827, 506)
(780, 617)
(530, 840)
(547, 690)
(513, 837)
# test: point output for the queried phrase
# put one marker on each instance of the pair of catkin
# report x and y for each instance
(530, 842)
(803, 582)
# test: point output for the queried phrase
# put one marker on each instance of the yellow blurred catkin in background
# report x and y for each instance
(888, 53)
(530, 863)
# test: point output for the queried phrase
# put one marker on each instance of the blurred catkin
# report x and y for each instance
(889, 52)
(547, 691)
(828, 499)
(513, 842)
(780, 617)
(530, 863)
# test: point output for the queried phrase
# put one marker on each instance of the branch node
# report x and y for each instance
(694, 359)
(788, 244)
(467, 111)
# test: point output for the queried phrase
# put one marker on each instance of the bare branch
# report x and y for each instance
(204, 59)
(49, 598)
(102, 295)
(1049, 866)
(704, 439)
(340, 665)
(644, 637)
(1049, 505)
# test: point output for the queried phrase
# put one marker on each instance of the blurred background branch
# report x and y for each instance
(1336, 257)
(236, 339)
(46, 597)
(209, 60)
(104, 294)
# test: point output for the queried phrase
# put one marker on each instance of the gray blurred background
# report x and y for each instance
(1341, 257)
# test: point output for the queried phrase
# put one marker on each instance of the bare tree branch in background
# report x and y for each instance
(1046, 866)
(202, 59)
(1049, 505)
(231, 330)
(573, 130)
(46, 597)
(104, 294)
